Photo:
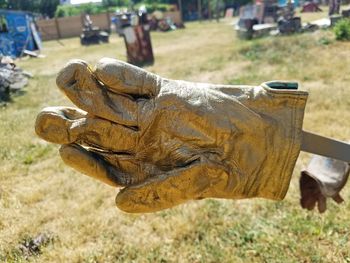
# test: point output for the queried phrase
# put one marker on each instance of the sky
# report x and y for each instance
(74, 2)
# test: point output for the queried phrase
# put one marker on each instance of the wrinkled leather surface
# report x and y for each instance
(168, 141)
(323, 178)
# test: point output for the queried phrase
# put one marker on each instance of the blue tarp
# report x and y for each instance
(285, 2)
(17, 33)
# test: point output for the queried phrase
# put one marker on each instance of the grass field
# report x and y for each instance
(40, 195)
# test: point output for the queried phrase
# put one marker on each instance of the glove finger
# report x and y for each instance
(106, 135)
(322, 204)
(125, 78)
(172, 188)
(308, 183)
(337, 198)
(308, 202)
(94, 165)
(80, 85)
(52, 123)
(129, 165)
(68, 125)
(330, 174)
(308, 191)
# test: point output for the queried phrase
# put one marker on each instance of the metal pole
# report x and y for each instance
(324, 146)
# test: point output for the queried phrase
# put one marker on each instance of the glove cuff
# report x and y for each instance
(330, 174)
(287, 112)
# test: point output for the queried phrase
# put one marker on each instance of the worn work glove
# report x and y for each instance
(167, 142)
(323, 178)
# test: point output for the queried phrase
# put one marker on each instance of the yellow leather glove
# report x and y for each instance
(167, 141)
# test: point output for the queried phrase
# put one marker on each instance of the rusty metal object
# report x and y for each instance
(345, 13)
(289, 25)
(334, 7)
(138, 45)
(91, 34)
(12, 79)
(137, 40)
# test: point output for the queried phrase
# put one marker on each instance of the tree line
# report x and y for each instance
(51, 8)
(44, 7)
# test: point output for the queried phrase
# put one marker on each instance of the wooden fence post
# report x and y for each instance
(108, 21)
(217, 10)
(209, 9)
(58, 28)
(199, 2)
(180, 9)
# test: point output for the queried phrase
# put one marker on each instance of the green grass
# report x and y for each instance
(342, 30)
(39, 194)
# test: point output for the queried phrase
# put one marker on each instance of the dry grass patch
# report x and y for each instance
(38, 194)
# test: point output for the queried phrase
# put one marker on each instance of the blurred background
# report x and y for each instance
(50, 213)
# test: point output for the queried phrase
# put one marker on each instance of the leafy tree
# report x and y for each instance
(69, 10)
(3, 3)
(109, 3)
(342, 29)
(48, 7)
(45, 7)
(26, 5)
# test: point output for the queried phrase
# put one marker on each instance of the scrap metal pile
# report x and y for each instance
(92, 35)
(12, 79)
(268, 18)
(160, 22)
(262, 19)
(157, 21)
